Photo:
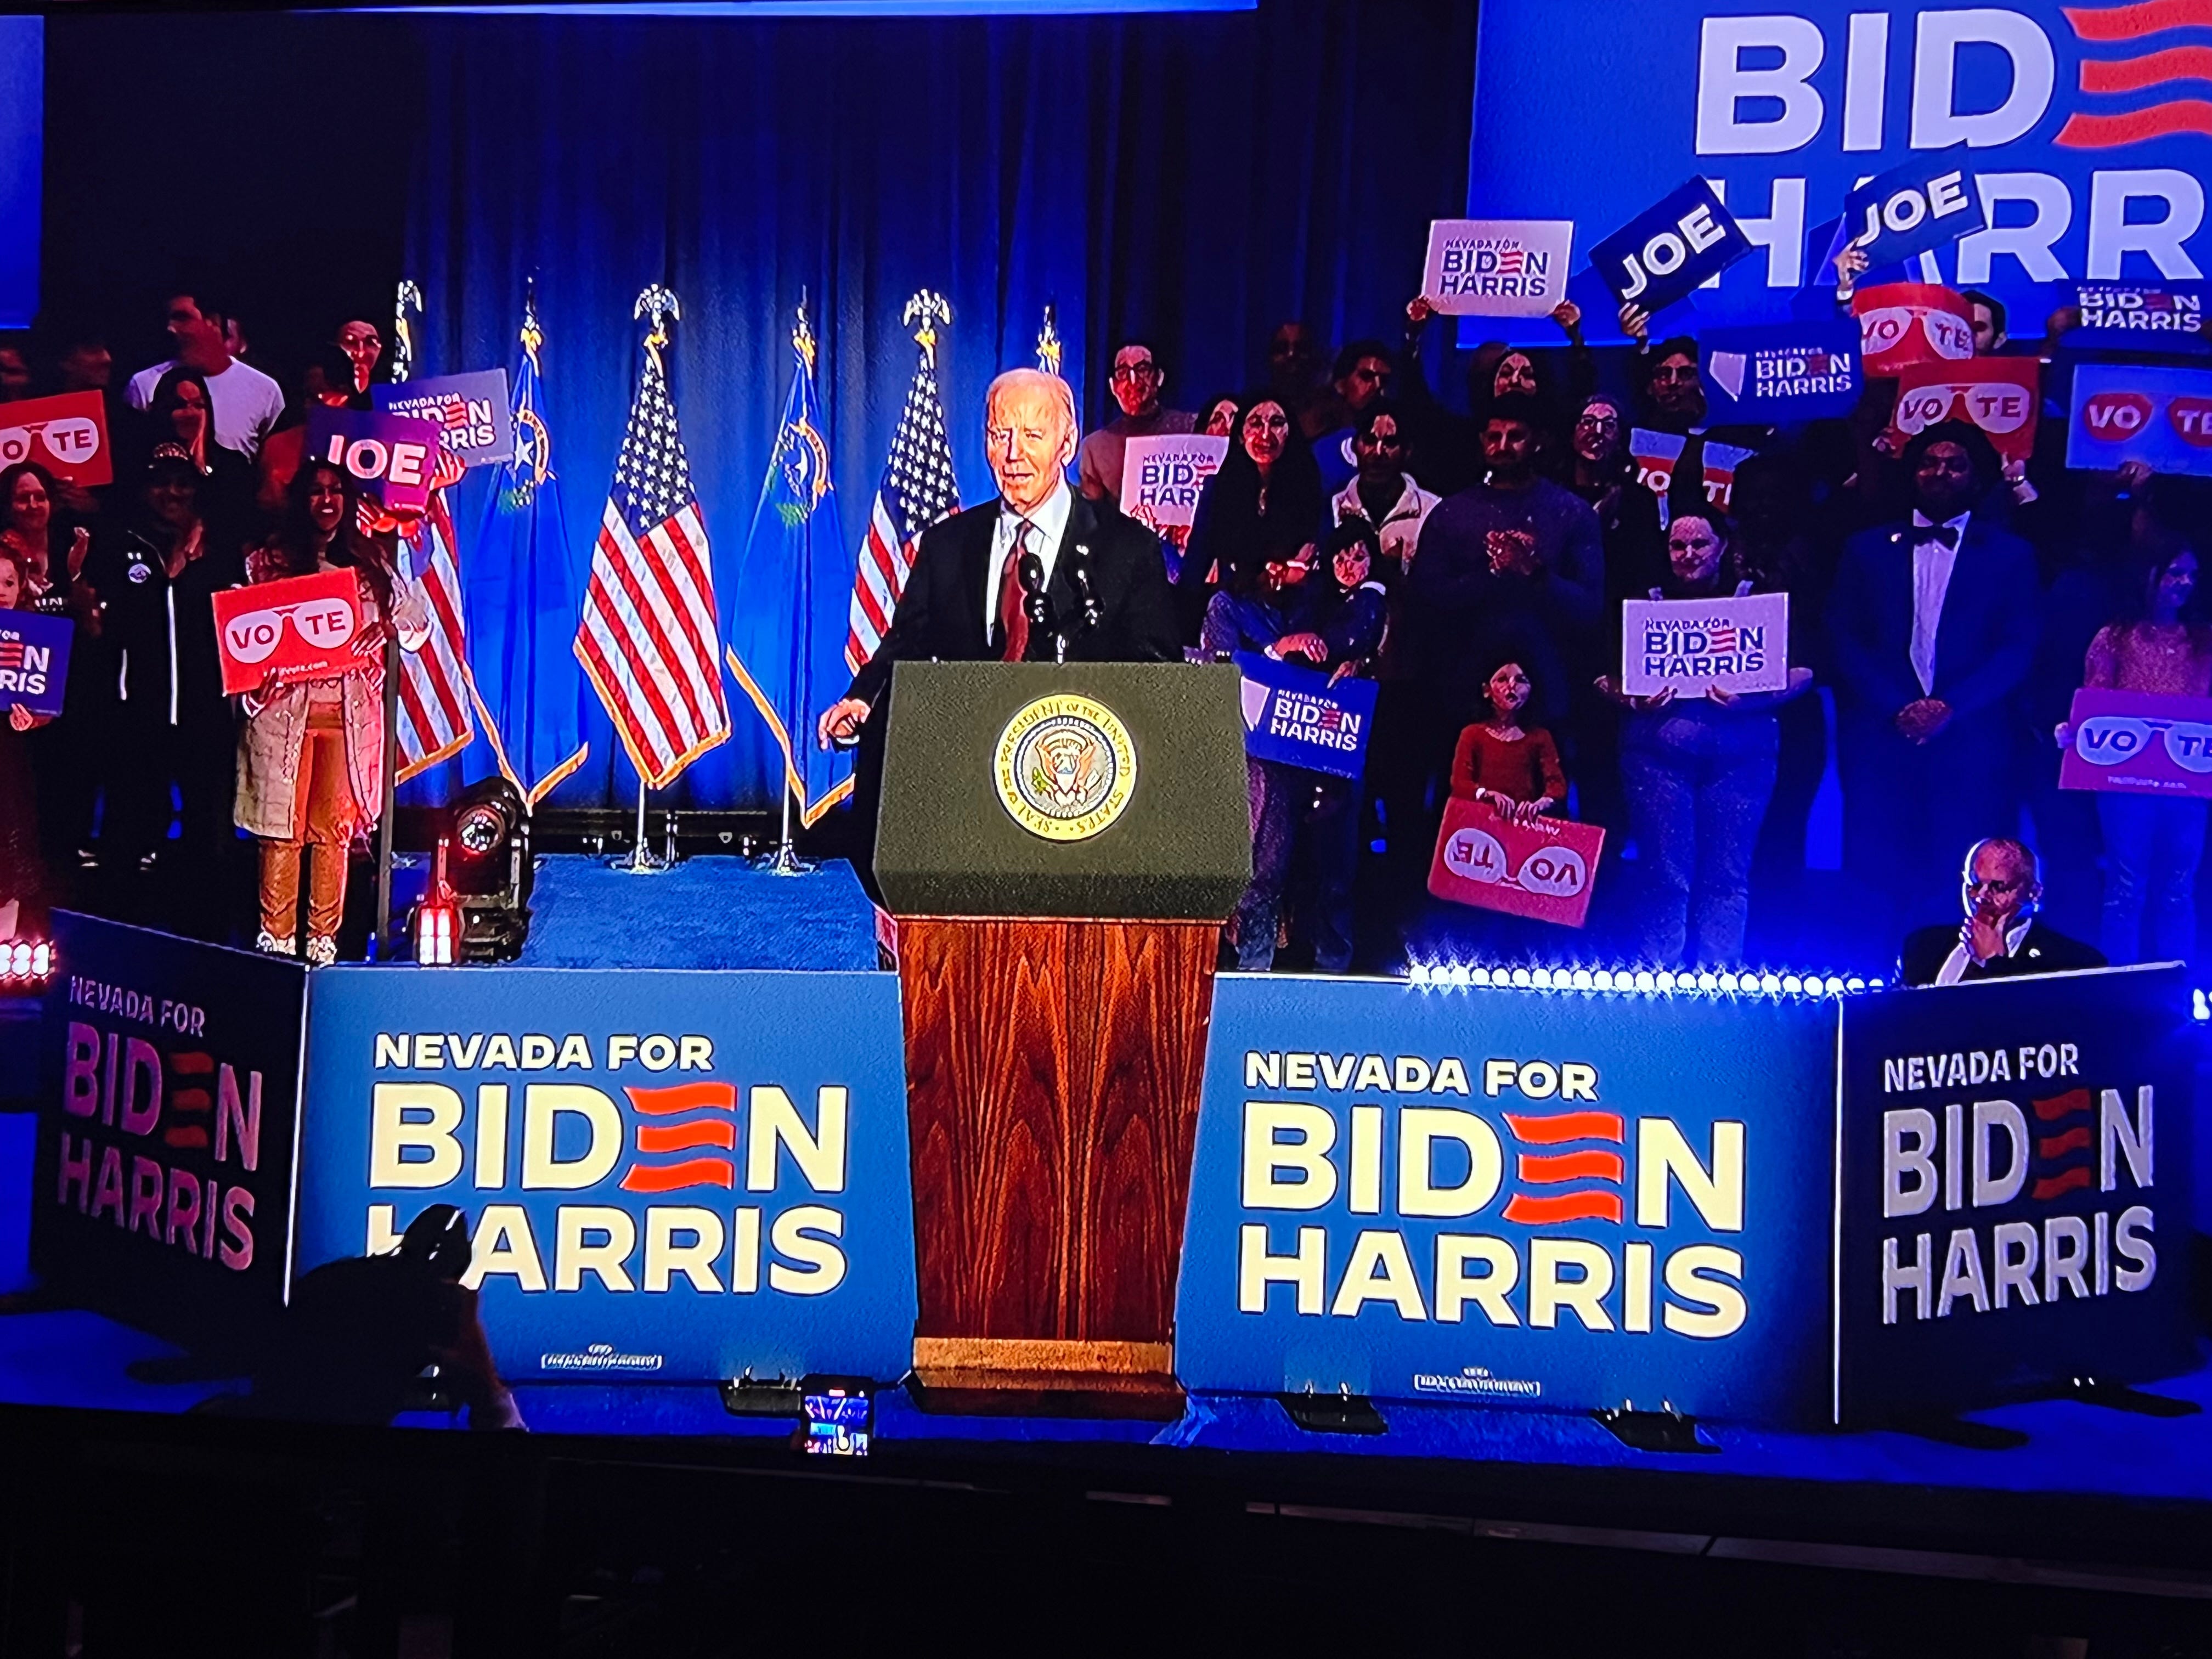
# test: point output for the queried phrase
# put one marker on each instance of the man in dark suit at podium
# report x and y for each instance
(1038, 575)
(2001, 937)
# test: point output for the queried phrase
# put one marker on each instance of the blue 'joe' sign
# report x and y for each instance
(1300, 717)
(1670, 247)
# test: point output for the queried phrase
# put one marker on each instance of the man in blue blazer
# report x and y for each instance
(1934, 625)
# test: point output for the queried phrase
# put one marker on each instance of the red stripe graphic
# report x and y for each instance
(2073, 1140)
(190, 1100)
(2058, 1106)
(2053, 1185)
(1563, 1206)
(2151, 70)
(2136, 126)
(192, 1138)
(691, 1172)
(2106, 23)
(1565, 1126)
(1572, 1166)
(682, 1137)
(190, 1062)
(685, 1098)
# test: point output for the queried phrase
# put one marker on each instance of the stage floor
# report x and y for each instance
(707, 912)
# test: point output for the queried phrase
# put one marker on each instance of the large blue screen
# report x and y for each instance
(2080, 126)
(22, 107)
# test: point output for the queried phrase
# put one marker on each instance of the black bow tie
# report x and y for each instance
(1946, 535)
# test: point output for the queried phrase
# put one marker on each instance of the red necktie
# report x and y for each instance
(1013, 619)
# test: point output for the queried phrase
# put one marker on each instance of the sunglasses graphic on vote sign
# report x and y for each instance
(70, 442)
(325, 624)
(2116, 740)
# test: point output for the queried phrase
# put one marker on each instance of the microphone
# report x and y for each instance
(1081, 568)
(1031, 577)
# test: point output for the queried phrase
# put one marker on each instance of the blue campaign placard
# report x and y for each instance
(1777, 372)
(34, 653)
(167, 1108)
(1299, 717)
(1923, 203)
(1666, 251)
(1508, 1198)
(472, 409)
(2139, 412)
(2141, 316)
(2016, 1174)
(1786, 108)
(669, 1176)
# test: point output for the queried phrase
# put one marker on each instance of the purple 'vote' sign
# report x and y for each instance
(2133, 742)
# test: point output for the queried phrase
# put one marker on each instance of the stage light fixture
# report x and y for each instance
(491, 873)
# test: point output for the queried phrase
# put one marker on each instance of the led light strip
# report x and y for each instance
(1642, 982)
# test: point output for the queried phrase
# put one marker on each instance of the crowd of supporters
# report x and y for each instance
(1469, 551)
(1944, 606)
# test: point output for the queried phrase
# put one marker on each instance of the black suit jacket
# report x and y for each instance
(940, 615)
(2044, 950)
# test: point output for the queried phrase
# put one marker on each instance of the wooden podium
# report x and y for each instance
(1059, 845)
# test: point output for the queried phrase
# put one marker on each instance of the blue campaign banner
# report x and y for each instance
(2138, 412)
(1508, 1198)
(1921, 203)
(471, 409)
(2016, 1172)
(2146, 316)
(1778, 372)
(2085, 170)
(669, 1176)
(34, 653)
(1300, 717)
(168, 1110)
(1657, 258)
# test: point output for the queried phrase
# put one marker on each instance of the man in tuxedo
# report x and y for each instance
(2000, 938)
(1934, 626)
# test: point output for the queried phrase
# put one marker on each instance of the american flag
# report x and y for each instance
(433, 681)
(648, 638)
(917, 490)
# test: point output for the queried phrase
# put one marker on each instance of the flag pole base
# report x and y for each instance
(640, 862)
(785, 861)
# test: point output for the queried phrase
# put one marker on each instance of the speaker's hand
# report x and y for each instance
(841, 722)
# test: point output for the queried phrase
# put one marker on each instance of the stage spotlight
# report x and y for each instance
(491, 871)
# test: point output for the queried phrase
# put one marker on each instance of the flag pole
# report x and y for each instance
(641, 861)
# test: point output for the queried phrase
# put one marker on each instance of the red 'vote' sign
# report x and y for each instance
(299, 629)
(1542, 869)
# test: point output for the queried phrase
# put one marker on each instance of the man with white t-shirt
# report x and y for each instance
(246, 401)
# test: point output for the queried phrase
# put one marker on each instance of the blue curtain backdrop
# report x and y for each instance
(1195, 178)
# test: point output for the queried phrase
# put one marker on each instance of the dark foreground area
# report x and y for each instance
(129, 1535)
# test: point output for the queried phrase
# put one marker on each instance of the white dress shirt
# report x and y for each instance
(246, 403)
(1955, 965)
(1048, 526)
(1932, 564)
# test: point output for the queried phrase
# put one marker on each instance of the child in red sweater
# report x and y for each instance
(1516, 770)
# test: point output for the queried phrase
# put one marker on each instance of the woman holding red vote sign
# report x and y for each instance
(311, 757)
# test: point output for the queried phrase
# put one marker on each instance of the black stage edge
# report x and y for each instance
(198, 1535)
